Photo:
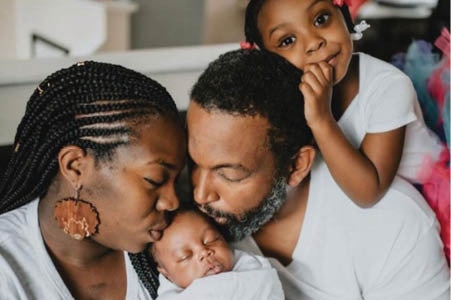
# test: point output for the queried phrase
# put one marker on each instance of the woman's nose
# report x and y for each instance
(168, 200)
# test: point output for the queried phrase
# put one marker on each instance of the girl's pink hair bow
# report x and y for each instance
(247, 46)
(341, 2)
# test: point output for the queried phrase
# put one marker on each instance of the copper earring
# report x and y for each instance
(77, 218)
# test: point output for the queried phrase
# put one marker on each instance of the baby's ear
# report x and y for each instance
(163, 271)
(301, 165)
(160, 268)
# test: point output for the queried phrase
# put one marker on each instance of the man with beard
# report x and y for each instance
(256, 171)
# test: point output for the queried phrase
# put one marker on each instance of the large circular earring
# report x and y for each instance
(78, 218)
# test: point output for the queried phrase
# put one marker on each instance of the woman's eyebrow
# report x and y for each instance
(163, 163)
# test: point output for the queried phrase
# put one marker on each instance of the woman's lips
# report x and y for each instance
(157, 231)
(155, 235)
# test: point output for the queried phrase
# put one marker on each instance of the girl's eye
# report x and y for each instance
(322, 19)
(287, 41)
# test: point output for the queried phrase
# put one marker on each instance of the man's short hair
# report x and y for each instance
(253, 82)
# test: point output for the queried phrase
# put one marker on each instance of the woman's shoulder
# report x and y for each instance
(14, 222)
(21, 256)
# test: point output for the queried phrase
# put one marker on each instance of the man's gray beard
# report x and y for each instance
(237, 228)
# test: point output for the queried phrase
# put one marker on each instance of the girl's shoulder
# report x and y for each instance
(374, 71)
(374, 64)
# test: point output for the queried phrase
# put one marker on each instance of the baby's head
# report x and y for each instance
(191, 247)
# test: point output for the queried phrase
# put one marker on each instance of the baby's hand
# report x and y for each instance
(316, 86)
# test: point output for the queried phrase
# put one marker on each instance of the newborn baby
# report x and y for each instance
(196, 262)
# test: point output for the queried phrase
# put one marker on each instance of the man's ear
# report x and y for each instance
(72, 162)
(301, 165)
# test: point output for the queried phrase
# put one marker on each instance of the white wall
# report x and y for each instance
(7, 29)
(79, 25)
(224, 21)
(82, 27)
(176, 68)
(162, 23)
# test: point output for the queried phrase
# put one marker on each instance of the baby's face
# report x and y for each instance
(191, 248)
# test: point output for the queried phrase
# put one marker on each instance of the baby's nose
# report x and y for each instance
(205, 253)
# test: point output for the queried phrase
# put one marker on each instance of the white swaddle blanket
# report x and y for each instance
(252, 278)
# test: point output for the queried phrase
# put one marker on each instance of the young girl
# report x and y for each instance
(369, 127)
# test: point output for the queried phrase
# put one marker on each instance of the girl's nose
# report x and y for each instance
(314, 43)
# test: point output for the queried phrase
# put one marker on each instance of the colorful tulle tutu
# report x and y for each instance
(430, 74)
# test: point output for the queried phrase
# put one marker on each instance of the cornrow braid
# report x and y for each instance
(92, 105)
(146, 268)
(253, 8)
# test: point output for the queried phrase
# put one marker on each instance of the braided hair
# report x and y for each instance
(253, 8)
(91, 105)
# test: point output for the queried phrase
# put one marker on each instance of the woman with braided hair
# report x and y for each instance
(89, 185)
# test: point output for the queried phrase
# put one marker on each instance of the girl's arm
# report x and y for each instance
(363, 174)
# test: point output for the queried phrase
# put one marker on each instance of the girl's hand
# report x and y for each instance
(316, 86)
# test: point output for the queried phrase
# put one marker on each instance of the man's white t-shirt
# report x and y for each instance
(26, 269)
(391, 251)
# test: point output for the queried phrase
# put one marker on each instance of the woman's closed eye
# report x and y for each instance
(155, 182)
